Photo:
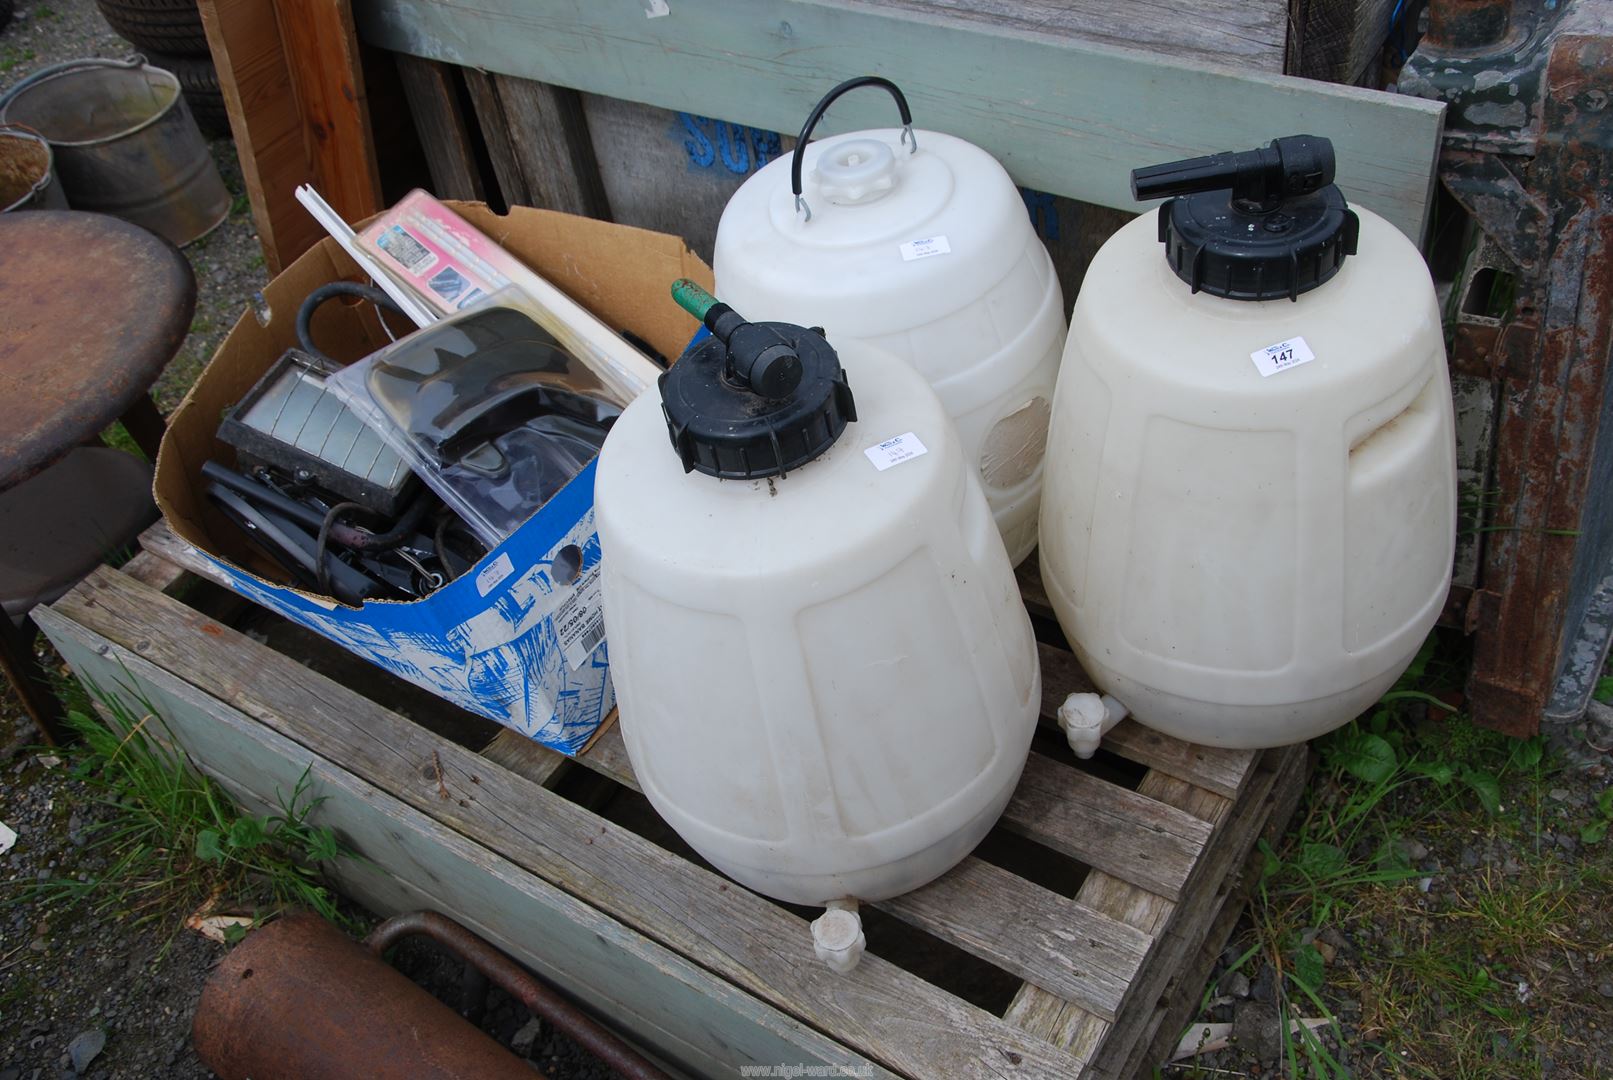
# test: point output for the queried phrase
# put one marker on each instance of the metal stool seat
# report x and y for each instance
(91, 310)
(65, 521)
(59, 525)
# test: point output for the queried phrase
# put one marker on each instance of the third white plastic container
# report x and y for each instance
(918, 243)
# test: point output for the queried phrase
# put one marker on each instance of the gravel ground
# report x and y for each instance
(80, 979)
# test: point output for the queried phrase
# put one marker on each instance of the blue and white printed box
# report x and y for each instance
(514, 638)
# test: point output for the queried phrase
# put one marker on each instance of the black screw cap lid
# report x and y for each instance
(723, 427)
(1264, 224)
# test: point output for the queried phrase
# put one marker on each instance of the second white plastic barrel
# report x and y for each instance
(826, 677)
(918, 243)
(1250, 511)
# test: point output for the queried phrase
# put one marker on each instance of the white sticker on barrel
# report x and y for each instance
(902, 448)
(1282, 356)
(923, 249)
(494, 573)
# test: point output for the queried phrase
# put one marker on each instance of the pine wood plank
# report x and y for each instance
(254, 75)
(903, 1022)
(1064, 115)
(1134, 836)
(327, 80)
(713, 1027)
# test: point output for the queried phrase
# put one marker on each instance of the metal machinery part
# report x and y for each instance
(1528, 155)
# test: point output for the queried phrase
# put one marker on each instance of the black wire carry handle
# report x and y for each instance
(823, 106)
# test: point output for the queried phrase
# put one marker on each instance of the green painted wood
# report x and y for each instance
(679, 1010)
(1063, 114)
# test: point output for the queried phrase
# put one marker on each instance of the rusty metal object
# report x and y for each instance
(538, 998)
(91, 310)
(27, 171)
(1467, 24)
(1529, 155)
(300, 1000)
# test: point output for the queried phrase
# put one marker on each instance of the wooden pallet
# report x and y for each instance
(1070, 944)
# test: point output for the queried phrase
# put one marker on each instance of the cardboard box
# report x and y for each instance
(486, 641)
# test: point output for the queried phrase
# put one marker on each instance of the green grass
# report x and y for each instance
(1459, 974)
(11, 56)
(172, 839)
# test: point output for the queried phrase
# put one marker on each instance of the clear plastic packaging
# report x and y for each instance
(488, 407)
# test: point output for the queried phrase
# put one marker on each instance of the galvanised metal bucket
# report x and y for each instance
(125, 144)
(27, 173)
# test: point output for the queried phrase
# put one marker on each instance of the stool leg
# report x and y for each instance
(28, 678)
(145, 426)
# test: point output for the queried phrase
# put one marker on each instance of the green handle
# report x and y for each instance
(692, 298)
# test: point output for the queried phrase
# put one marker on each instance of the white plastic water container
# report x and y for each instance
(1250, 511)
(826, 677)
(919, 243)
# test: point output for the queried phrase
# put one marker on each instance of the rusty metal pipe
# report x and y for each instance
(300, 1000)
(1467, 24)
(514, 980)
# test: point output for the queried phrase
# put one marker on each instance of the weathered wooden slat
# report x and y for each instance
(1179, 1002)
(902, 1021)
(1049, 940)
(440, 123)
(1072, 812)
(1129, 834)
(628, 977)
(1045, 1014)
(1336, 40)
(1249, 33)
(673, 173)
(161, 541)
(1031, 589)
(549, 141)
(1019, 927)
(149, 568)
(495, 128)
(1214, 768)
(1175, 924)
(1064, 115)
(608, 756)
(524, 757)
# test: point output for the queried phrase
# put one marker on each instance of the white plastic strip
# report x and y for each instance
(412, 305)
